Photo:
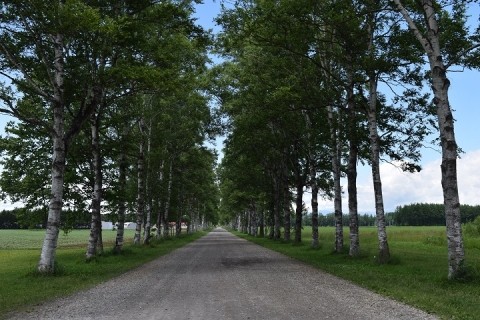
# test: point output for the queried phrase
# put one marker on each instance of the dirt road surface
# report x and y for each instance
(221, 276)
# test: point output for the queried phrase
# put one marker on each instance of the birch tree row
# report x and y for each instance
(313, 88)
(110, 95)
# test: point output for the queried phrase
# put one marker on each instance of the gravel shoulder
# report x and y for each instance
(221, 276)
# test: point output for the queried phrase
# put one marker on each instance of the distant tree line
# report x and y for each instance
(328, 220)
(430, 214)
(23, 218)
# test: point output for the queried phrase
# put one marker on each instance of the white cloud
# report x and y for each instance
(401, 188)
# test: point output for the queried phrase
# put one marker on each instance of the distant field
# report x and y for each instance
(33, 239)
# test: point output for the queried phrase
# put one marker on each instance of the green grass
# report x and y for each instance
(416, 275)
(21, 287)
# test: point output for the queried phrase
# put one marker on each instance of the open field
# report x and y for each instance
(20, 251)
(33, 239)
(417, 274)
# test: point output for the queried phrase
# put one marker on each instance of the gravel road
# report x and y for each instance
(221, 276)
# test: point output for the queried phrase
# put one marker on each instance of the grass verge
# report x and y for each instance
(416, 275)
(22, 287)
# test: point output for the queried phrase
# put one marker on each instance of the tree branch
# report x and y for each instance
(413, 27)
(30, 82)
(461, 54)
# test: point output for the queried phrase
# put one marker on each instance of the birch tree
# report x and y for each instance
(35, 26)
(446, 42)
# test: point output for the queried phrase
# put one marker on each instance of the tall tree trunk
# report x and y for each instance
(285, 202)
(178, 225)
(122, 182)
(261, 227)
(352, 170)
(140, 186)
(383, 250)
(314, 203)
(253, 210)
(335, 160)
(148, 200)
(276, 209)
(160, 217)
(298, 212)
(440, 85)
(313, 182)
(167, 201)
(96, 222)
(271, 223)
(46, 263)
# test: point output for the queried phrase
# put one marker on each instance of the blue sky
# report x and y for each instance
(404, 188)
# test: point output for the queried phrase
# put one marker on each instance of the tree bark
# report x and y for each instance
(312, 167)
(285, 202)
(440, 85)
(314, 203)
(148, 199)
(140, 186)
(254, 217)
(286, 224)
(122, 181)
(298, 213)
(166, 226)
(96, 222)
(160, 217)
(337, 188)
(276, 208)
(47, 256)
(261, 228)
(271, 223)
(383, 249)
(352, 170)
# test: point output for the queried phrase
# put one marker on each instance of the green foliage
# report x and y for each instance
(427, 214)
(472, 228)
(328, 220)
(8, 219)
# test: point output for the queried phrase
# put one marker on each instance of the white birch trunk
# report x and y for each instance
(352, 171)
(285, 203)
(383, 249)
(140, 186)
(159, 206)
(276, 209)
(440, 85)
(148, 206)
(254, 219)
(167, 201)
(298, 213)
(261, 223)
(96, 223)
(47, 256)
(313, 184)
(122, 180)
(314, 203)
(335, 160)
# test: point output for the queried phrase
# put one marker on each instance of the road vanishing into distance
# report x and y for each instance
(221, 276)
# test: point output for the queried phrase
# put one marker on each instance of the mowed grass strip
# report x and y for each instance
(416, 275)
(21, 287)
